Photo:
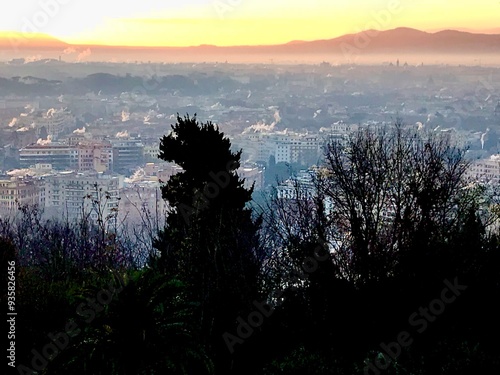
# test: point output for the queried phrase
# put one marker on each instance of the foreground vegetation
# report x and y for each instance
(389, 266)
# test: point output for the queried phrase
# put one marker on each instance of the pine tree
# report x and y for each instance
(210, 241)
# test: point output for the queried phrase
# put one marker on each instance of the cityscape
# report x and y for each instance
(104, 124)
(219, 187)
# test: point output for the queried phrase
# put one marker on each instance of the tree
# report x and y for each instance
(210, 241)
(396, 211)
(393, 191)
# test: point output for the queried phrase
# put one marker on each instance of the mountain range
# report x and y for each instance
(369, 42)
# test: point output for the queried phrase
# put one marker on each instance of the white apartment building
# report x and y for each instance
(142, 203)
(485, 170)
(283, 153)
(286, 147)
(75, 195)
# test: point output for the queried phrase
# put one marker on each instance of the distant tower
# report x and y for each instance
(397, 63)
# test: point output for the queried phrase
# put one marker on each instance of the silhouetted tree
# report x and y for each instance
(210, 241)
(392, 191)
(399, 217)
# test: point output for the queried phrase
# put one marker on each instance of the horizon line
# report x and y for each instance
(7, 34)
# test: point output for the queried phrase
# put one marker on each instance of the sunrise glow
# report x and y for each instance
(235, 22)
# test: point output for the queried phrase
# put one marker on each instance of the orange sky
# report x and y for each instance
(235, 22)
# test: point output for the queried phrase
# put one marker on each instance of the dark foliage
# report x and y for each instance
(366, 250)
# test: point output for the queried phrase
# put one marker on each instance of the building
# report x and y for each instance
(301, 187)
(305, 150)
(48, 123)
(486, 170)
(166, 171)
(17, 191)
(151, 152)
(142, 203)
(60, 156)
(253, 175)
(76, 195)
(127, 155)
(54, 122)
(283, 153)
(286, 147)
(95, 156)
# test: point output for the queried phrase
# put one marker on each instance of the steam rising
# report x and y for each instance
(50, 113)
(69, 51)
(125, 116)
(483, 136)
(138, 176)
(262, 126)
(123, 134)
(83, 55)
(44, 142)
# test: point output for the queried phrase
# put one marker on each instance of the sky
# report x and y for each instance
(235, 22)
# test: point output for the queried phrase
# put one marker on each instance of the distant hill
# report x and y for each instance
(372, 42)
(27, 41)
(401, 40)
(367, 43)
